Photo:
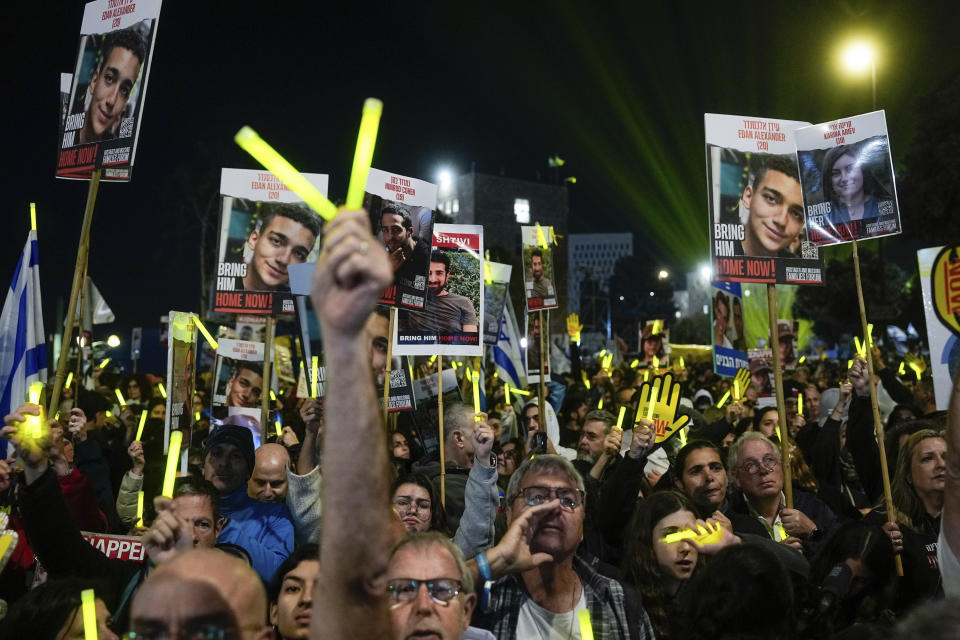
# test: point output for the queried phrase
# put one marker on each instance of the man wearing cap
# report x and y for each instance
(262, 528)
(785, 337)
(760, 375)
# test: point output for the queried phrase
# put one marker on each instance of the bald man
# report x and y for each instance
(268, 483)
(198, 589)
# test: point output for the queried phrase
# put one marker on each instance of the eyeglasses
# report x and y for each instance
(441, 590)
(569, 498)
(394, 230)
(406, 504)
(753, 467)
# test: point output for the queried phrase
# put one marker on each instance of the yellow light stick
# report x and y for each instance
(900, 371)
(553, 236)
(635, 363)
(496, 374)
(800, 404)
(586, 380)
(723, 400)
(89, 606)
(646, 375)
(454, 364)
(34, 426)
(476, 394)
(196, 417)
(139, 508)
(206, 334)
(802, 359)
(736, 390)
(869, 339)
(653, 398)
(105, 362)
(600, 404)
(70, 378)
(273, 396)
(656, 363)
(33, 216)
(603, 352)
(782, 531)
(683, 436)
(860, 350)
(109, 414)
(163, 391)
(506, 393)
(123, 402)
(849, 363)
(432, 359)
(315, 374)
(173, 456)
(681, 362)
(279, 428)
(623, 410)
(486, 272)
(410, 367)
(607, 360)
(586, 629)
(253, 144)
(779, 437)
(363, 156)
(521, 392)
(143, 421)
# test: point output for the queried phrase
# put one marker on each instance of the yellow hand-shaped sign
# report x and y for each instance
(708, 533)
(659, 402)
(740, 383)
(574, 327)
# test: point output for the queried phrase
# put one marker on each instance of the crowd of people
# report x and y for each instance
(534, 525)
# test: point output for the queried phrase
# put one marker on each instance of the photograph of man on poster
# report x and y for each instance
(285, 235)
(446, 313)
(774, 205)
(409, 253)
(245, 384)
(105, 100)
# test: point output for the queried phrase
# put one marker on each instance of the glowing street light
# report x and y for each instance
(706, 272)
(664, 274)
(859, 56)
(445, 179)
(113, 341)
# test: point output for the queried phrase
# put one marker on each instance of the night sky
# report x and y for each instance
(618, 91)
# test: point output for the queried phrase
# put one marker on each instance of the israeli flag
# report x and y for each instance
(23, 347)
(506, 353)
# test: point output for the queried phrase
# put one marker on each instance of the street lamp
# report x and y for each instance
(857, 57)
(663, 275)
(113, 341)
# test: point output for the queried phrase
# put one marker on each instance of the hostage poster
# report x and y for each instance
(729, 336)
(755, 204)
(538, 277)
(849, 191)
(109, 88)
(238, 377)
(401, 212)
(495, 290)
(264, 229)
(401, 389)
(449, 323)
(181, 368)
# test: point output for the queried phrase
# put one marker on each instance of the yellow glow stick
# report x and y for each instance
(206, 334)
(139, 508)
(782, 531)
(363, 156)
(273, 396)
(410, 367)
(646, 375)
(586, 629)
(860, 350)
(454, 364)
(34, 425)
(143, 421)
(279, 428)
(653, 398)
(109, 414)
(432, 359)
(496, 374)
(33, 216)
(70, 378)
(683, 436)
(802, 359)
(196, 416)
(656, 362)
(603, 352)
(900, 371)
(586, 380)
(723, 400)
(520, 392)
(123, 402)
(869, 339)
(506, 392)
(736, 390)
(105, 362)
(253, 144)
(173, 456)
(635, 363)
(163, 391)
(681, 362)
(623, 410)
(849, 363)
(800, 404)
(315, 374)
(476, 394)
(600, 404)
(779, 437)
(89, 606)
(486, 272)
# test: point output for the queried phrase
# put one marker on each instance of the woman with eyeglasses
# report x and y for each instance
(659, 568)
(917, 490)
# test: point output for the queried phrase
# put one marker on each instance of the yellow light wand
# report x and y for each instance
(89, 607)
(363, 156)
(143, 421)
(173, 456)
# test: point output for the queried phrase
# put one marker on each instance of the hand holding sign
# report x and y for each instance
(659, 402)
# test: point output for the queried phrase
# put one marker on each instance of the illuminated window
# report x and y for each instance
(521, 209)
(456, 205)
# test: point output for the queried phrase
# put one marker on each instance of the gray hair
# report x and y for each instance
(601, 415)
(733, 457)
(425, 540)
(544, 464)
(459, 417)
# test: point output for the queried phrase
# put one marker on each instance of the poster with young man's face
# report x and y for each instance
(401, 215)
(537, 258)
(847, 174)
(495, 291)
(727, 335)
(264, 229)
(109, 87)
(755, 204)
(450, 321)
(238, 378)
(532, 353)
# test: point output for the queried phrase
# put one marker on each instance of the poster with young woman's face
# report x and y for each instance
(846, 172)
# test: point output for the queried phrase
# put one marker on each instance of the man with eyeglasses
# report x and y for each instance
(760, 508)
(409, 254)
(541, 584)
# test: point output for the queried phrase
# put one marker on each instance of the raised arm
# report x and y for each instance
(350, 596)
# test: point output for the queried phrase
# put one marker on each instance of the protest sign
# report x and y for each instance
(755, 203)
(495, 291)
(531, 354)
(849, 192)
(761, 365)
(401, 214)
(940, 284)
(253, 328)
(449, 323)
(66, 79)
(109, 88)
(401, 388)
(264, 228)
(181, 358)
(537, 256)
(238, 378)
(729, 338)
(425, 419)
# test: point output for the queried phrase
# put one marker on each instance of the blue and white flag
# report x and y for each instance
(23, 347)
(506, 353)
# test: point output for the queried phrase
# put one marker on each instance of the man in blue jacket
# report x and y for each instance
(264, 529)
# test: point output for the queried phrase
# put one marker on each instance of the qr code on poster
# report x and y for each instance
(808, 251)
(885, 207)
(126, 128)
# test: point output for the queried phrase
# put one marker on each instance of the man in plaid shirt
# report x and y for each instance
(544, 584)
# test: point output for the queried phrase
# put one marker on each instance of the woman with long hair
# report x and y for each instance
(850, 185)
